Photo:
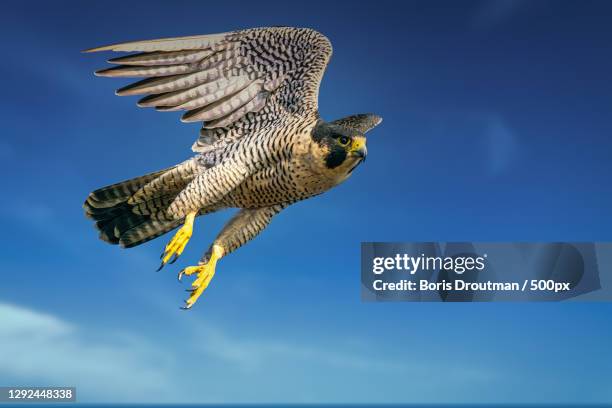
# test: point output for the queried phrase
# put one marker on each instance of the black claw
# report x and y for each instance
(160, 267)
(174, 258)
(186, 307)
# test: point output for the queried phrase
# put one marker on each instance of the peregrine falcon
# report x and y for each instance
(262, 145)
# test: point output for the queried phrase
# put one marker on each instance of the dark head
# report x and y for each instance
(343, 141)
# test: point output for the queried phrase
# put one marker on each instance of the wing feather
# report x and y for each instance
(197, 96)
(236, 82)
(254, 105)
(162, 57)
(225, 106)
(129, 71)
(169, 84)
(165, 44)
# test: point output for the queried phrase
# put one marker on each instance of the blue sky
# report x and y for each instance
(496, 127)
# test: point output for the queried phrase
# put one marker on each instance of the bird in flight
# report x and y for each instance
(262, 147)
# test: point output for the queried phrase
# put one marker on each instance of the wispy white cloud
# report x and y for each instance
(203, 363)
(252, 355)
(41, 349)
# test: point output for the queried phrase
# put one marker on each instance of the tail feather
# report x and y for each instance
(145, 232)
(131, 224)
(109, 196)
(106, 229)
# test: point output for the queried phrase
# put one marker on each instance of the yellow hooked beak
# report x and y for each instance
(358, 147)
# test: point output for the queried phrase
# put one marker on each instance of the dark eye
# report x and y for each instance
(344, 140)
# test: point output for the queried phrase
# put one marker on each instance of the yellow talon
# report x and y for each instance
(177, 244)
(204, 275)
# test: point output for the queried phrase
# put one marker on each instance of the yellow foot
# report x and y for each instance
(204, 275)
(177, 244)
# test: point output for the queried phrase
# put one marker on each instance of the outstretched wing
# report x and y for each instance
(234, 82)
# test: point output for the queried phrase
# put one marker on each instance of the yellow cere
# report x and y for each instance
(358, 143)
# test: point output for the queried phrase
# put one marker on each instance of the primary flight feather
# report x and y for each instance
(262, 146)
